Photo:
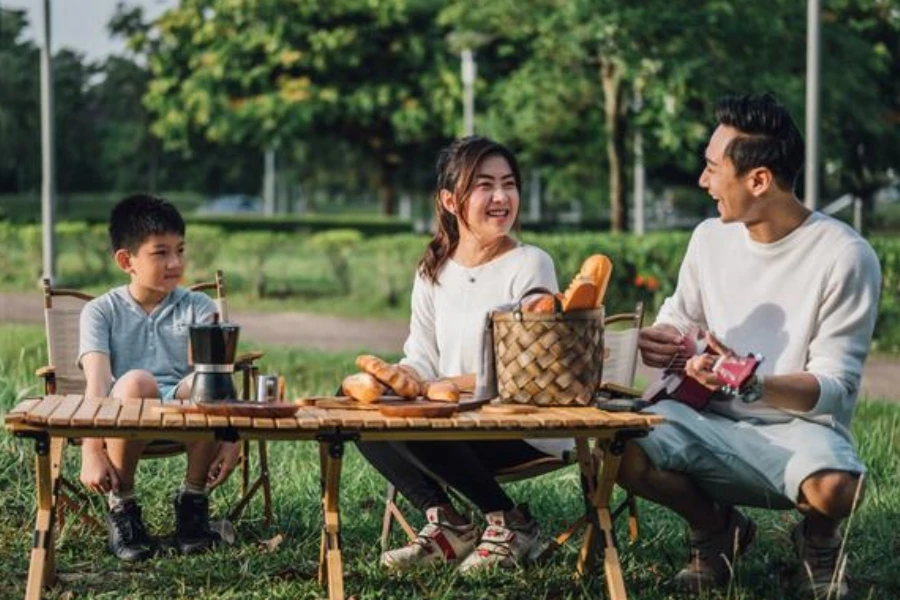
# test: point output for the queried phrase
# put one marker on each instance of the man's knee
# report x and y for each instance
(136, 384)
(832, 493)
(634, 468)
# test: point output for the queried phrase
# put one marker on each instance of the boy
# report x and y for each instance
(134, 344)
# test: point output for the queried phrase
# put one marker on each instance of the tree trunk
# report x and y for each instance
(611, 78)
(387, 192)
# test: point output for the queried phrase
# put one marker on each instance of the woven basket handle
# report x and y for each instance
(557, 305)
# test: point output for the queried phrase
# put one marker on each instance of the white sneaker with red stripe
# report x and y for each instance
(504, 544)
(437, 542)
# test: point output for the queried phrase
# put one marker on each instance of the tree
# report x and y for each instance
(377, 75)
(20, 163)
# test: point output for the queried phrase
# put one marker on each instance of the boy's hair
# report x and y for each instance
(139, 216)
(769, 137)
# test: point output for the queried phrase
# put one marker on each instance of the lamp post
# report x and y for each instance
(813, 65)
(48, 172)
(468, 72)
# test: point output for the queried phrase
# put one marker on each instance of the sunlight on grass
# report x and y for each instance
(249, 570)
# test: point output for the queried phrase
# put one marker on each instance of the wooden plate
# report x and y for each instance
(417, 408)
(509, 409)
(234, 408)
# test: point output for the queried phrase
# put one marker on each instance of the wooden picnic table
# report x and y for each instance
(50, 420)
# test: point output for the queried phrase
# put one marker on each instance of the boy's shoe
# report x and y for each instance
(713, 554)
(504, 544)
(192, 532)
(438, 542)
(128, 538)
(821, 572)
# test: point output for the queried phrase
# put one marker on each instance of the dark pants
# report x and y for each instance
(468, 467)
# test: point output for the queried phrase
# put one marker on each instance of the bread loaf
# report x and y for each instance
(599, 269)
(362, 387)
(581, 294)
(442, 391)
(541, 303)
(402, 382)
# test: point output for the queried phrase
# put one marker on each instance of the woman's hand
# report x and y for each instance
(223, 464)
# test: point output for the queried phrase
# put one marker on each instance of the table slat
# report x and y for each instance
(151, 417)
(84, 416)
(64, 411)
(108, 412)
(174, 420)
(42, 411)
(19, 411)
(130, 412)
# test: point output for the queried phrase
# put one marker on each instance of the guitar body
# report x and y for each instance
(734, 371)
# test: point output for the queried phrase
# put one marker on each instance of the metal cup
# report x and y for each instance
(267, 388)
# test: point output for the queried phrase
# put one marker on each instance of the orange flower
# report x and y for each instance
(652, 283)
(639, 281)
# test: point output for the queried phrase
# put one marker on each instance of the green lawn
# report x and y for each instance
(252, 570)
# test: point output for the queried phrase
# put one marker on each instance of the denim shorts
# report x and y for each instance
(746, 463)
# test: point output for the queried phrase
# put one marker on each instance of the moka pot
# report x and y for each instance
(213, 348)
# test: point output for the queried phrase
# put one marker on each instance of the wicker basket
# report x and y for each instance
(548, 359)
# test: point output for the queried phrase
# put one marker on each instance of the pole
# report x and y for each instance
(48, 173)
(640, 175)
(468, 80)
(813, 66)
(269, 182)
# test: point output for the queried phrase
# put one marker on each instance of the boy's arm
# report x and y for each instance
(97, 473)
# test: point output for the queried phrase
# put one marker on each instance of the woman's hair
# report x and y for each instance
(457, 167)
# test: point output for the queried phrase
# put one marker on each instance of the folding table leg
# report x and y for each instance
(607, 469)
(42, 568)
(330, 561)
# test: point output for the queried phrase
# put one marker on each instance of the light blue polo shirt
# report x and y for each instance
(116, 325)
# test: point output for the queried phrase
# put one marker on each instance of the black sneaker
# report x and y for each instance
(192, 532)
(128, 538)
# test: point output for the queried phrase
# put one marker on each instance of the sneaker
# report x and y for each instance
(821, 573)
(438, 542)
(713, 554)
(504, 543)
(128, 538)
(192, 531)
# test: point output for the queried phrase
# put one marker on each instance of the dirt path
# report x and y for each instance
(881, 377)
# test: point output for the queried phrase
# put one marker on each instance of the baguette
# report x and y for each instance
(542, 303)
(599, 269)
(362, 387)
(581, 294)
(396, 378)
(442, 391)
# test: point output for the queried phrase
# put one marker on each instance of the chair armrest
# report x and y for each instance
(614, 390)
(247, 359)
(46, 371)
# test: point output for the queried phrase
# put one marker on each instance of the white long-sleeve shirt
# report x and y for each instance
(447, 318)
(806, 302)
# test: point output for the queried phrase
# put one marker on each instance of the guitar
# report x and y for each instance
(734, 370)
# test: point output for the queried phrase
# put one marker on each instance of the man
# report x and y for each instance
(770, 277)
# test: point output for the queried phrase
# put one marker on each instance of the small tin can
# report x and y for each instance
(267, 388)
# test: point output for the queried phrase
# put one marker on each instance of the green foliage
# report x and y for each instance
(202, 246)
(338, 245)
(367, 225)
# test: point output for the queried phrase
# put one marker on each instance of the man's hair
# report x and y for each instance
(768, 137)
(139, 216)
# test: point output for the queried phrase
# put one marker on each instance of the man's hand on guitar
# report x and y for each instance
(659, 345)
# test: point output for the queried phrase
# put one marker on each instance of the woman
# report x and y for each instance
(470, 266)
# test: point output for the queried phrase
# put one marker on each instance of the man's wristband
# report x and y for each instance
(753, 391)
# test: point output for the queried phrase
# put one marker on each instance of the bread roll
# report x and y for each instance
(403, 383)
(442, 391)
(581, 294)
(540, 303)
(362, 387)
(599, 269)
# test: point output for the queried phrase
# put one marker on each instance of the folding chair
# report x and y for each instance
(62, 312)
(619, 365)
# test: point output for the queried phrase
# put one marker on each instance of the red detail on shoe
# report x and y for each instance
(441, 540)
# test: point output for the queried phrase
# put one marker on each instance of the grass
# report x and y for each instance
(253, 569)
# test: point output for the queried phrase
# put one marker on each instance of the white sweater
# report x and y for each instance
(447, 318)
(807, 302)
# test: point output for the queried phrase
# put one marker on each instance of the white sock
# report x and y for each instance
(189, 488)
(116, 499)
